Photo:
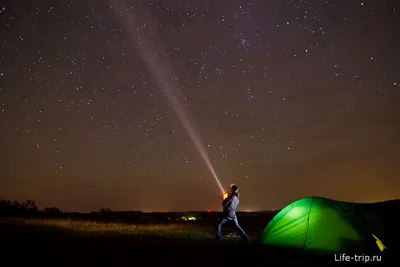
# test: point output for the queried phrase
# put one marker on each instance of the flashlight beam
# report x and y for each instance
(139, 26)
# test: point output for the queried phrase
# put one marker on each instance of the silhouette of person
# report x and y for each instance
(229, 213)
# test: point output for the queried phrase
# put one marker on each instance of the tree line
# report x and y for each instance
(27, 208)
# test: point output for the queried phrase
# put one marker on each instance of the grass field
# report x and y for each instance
(89, 228)
(86, 243)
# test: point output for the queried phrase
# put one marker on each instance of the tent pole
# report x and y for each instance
(308, 222)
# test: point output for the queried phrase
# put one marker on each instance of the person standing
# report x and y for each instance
(229, 205)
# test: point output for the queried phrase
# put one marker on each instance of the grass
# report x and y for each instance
(76, 227)
(63, 242)
(118, 244)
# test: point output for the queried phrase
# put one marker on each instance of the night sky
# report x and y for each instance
(291, 99)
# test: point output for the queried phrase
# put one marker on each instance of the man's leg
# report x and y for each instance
(239, 229)
(220, 223)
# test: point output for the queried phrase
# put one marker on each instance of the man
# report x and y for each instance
(229, 213)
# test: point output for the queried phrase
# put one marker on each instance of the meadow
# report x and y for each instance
(66, 242)
(29, 236)
(173, 231)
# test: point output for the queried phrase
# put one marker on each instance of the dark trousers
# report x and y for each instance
(239, 229)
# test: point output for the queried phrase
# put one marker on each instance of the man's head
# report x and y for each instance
(234, 188)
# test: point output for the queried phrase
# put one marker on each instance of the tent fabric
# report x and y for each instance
(321, 225)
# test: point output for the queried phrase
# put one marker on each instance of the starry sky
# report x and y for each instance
(290, 98)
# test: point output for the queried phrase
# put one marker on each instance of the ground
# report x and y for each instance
(79, 243)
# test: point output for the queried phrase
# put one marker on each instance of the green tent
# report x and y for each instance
(322, 225)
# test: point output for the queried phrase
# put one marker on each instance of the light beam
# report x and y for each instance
(144, 34)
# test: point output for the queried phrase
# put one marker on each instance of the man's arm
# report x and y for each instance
(224, 202)
(227, 202)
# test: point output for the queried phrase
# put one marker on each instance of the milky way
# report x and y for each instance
(291, 99)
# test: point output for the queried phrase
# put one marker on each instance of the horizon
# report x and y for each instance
(183, 211)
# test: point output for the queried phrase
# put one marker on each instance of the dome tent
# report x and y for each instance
(321, 225)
